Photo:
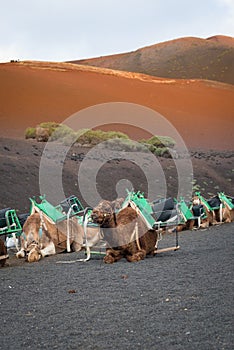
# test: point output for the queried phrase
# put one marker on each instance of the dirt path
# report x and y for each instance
(176, 300)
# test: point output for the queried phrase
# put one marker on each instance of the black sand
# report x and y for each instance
(176, 300)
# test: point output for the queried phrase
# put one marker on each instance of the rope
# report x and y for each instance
(42, 223)
(135, 236)
(68, 231)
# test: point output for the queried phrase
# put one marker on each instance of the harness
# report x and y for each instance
(135, 236)
(42, 224)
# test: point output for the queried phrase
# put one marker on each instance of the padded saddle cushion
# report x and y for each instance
(214, 202)
(164, 209)
(198, 210)
(22, 218)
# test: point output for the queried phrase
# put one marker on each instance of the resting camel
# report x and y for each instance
(3, 253)
(214, 216)
(228, 214)
(125, 233)
(41, 237)
(209, 216)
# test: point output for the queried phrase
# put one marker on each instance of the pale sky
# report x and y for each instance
(62, 30)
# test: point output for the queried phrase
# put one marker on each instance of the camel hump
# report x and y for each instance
(127, 214)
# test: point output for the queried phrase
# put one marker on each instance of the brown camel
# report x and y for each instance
(125, 232)
(209, 216)
(3, 253)
(41, 237)
(228, 214)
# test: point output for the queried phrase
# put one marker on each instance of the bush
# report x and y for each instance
(159, 141)
(51, 126)
(116, 135)
(93, 137)
(151, 148)
(30, 133)
(159, 145)
(162, 152)
(126, 145)
(61, 132)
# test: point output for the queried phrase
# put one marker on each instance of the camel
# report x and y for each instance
(197, 217)
(213, 209)
(42, 237)
(209, 216)
(3, 253)
(125, 232)
(228, 214)
(228, 210)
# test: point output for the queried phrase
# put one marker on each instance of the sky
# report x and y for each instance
(62, 30)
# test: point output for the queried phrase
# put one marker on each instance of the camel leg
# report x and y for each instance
(181, 227)
(20, 253)
(191, 224)
(76, 247)
(139, 255)
(49, 250)
(23, 244)
(112, 256)
(152, 253)
(204, 224)
(34, 255)
(227, 215)
(214, 218)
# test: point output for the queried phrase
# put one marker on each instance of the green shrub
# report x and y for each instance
(51, 126)
(61, 132)
(93, 137)
(162, 152)
(119, 141)
(160, 141)
(30, 133)
(126, 145)
(150, 147)
(116, 135)
(89, 137)
(159, 145)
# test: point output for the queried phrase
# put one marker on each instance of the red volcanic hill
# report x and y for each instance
(33, 92)
(185, 58)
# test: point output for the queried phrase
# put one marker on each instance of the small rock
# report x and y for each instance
(124, 277)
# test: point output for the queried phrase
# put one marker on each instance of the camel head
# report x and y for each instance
(102, 213)
(196, 200)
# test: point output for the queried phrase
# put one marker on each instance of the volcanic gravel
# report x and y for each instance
(176, 300)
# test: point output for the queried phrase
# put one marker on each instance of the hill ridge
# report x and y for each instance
(68, 66)
(183, 58)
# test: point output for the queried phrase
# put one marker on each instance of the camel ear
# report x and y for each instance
(112, 205)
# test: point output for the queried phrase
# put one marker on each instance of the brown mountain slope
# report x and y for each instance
(32, 92)
(185, 58)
